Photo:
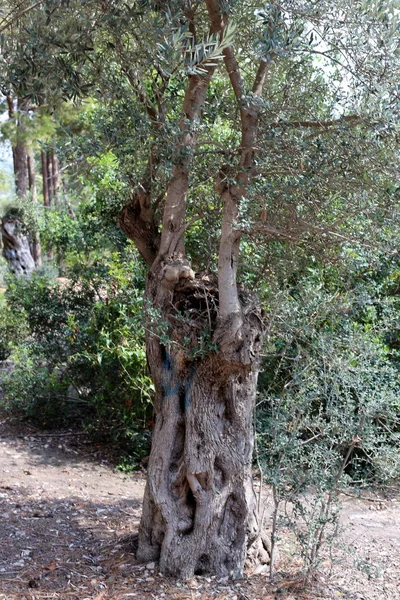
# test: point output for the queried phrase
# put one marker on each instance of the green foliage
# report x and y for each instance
(325, 173)
(47, 306)
(61, 232)
(84, 360)
(38, 391)
(3, 276)
(329, 411)
(13, 328)
(329, 370)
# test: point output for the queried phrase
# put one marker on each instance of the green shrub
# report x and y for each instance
(47, 306)
(84, 360)
(13, 328)
(328, 411)
(37, 391)
(329, 371)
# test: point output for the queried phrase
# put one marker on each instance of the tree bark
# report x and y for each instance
(20, 153)
(16, 248)
(20, 169)
(36, 247)
(55, 171)
(203, 346)
(199, 513)
(49, 168)
(45, 179)
(32, 175)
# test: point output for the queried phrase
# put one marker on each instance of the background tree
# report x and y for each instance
(16, 248)
(244, 134)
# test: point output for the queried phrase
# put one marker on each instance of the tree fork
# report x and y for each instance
(200, 511)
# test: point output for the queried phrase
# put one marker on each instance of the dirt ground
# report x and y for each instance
(67, 519)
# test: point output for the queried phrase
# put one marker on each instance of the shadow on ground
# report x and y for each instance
(64, 545)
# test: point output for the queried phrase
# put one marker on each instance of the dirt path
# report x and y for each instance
(66, 524)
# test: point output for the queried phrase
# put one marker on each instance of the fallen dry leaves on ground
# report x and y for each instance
(67, 524)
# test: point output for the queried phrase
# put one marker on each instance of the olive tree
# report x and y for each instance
(253, 127)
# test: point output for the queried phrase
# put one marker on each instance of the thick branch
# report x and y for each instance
(137, 217)
(139, 229)
(260, 78)
(133, 79)
(172, 237)
(232, 194)
(354, 119)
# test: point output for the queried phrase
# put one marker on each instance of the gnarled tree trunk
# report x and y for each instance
(16, 249)
(203, 345)
(199, 510)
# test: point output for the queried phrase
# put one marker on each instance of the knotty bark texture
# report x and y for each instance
(203, 345)
(16, 249)
(199, 513)
(16, 246)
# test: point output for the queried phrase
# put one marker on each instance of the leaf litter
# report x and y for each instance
(68, 520)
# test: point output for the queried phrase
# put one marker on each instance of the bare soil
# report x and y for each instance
(67, 521)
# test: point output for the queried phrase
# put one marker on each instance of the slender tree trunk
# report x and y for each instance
(55, 175)
(20, 155)
(36, 247)
(19, 152)
(20, 169)
(45, 179)
(46, 187)
(32, 175)
(50, 182)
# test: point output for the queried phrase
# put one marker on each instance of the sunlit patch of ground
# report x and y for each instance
(67, 520)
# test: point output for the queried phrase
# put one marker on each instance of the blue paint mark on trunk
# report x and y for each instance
(189, 387)
(170, 388)
(172, 391)
(167, 362)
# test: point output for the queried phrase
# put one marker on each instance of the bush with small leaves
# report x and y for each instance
(329, 411)
(83, 360)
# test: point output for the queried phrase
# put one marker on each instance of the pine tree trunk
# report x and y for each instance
(32, 175)
(36, 247)
(20, 169)
(46, 187)
(199, 513)
(55, 175)
(20, 154)
(45, 179)
(49, 169)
